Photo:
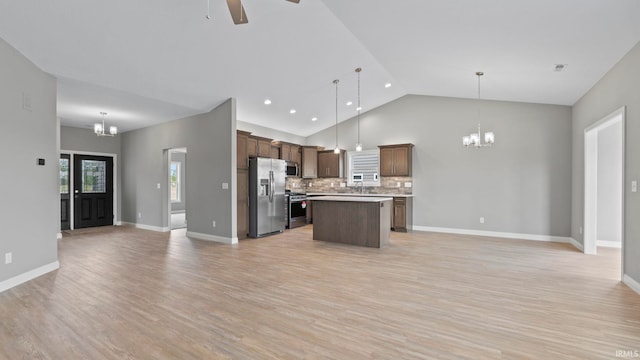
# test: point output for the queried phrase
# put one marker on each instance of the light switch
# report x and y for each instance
(407, 184)
(634, 186)
(158, 185)
(225, 186)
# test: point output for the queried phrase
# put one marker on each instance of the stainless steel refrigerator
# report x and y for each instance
(267, 207)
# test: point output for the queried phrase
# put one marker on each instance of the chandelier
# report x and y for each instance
(100, 129)
(475, 139)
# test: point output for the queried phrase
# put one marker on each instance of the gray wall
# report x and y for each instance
(182, 159)
(85, 141)
(619, 87)
(30, 193)
(520, 185)
(211, 145)
(270, 133)
(609, 183)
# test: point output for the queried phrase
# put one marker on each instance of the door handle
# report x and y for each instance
(271, 183)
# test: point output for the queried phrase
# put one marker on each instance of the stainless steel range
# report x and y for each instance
(296, 210)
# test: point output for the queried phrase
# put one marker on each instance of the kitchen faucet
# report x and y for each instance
(361, 186)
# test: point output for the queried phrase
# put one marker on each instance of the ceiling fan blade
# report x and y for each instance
(237, 12)
(294, 1)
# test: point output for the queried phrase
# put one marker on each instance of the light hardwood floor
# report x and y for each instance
(123, 293)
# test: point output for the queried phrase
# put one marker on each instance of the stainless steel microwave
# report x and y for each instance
(292, 169)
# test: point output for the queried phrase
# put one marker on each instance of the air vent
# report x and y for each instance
(559, 67)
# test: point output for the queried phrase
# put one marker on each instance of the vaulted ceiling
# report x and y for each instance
(151, 61)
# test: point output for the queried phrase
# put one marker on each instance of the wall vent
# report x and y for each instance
(559, 67)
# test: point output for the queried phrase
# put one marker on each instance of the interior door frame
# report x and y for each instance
(72, 153)
(590, 181)
(166, 197)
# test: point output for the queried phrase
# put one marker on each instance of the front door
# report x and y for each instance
(65, 209)
(93, 191)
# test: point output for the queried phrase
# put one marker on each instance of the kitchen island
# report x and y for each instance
(354, 220)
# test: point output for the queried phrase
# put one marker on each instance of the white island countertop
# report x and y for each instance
(359, 195)
(350, 198)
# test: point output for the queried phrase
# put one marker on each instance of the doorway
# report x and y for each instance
(177, 188)
(604, 183)
(92, 191)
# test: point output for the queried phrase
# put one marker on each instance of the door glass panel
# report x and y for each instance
(94, 174)
(64, 176)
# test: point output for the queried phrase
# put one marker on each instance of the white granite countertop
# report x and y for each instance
(351, 198)
(359, 195)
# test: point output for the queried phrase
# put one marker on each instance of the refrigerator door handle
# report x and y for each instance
(271, 184)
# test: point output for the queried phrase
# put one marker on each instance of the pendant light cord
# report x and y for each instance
(359, 107)
(336, 82)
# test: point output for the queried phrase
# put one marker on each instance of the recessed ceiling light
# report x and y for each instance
(349, 103)
(314, 118)
(292, 111)
(267, 102)
(387, 85)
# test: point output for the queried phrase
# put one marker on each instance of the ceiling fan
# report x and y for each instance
(237, 11)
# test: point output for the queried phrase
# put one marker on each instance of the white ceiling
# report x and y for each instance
(146, 62)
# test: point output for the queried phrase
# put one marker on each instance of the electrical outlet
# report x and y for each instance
(331, 184)
(397, 184)
(481, 219)
(343, 185)
(158, 185)
(139, 215)
(408, 184)
(310, 184)
(634, 186)
(213, 223)
(225, 186)
(8, 258)
(580, 230)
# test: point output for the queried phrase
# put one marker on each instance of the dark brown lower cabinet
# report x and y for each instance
(402, 214)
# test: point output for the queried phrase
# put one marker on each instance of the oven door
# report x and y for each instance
(297, 213)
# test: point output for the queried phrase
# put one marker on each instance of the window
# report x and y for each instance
(365, 162)
(64, 176)
(174, 175)
(94, 175)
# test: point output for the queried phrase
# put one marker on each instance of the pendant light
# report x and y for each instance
(99, 129)
(359, 108)
(336, 150)
(475, 139)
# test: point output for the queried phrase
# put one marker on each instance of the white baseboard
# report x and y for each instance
(609, 244)
(147, 227)
(208, 237)
(576, 244)
(29, 275)
(634, 285)
(551, 238)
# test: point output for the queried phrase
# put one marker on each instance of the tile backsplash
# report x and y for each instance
(388, 185)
